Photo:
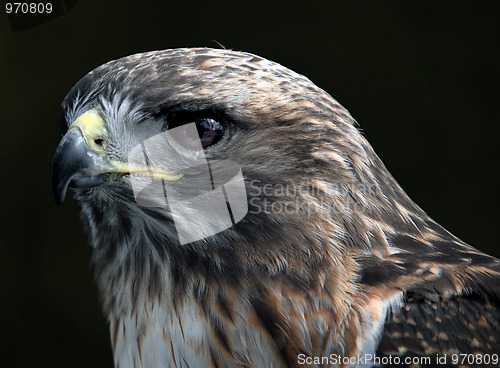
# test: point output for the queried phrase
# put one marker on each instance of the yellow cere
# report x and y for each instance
(93, 127)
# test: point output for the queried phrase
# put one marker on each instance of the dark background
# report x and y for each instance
(421, 78)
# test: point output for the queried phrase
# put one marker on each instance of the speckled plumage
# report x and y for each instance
(352, 267)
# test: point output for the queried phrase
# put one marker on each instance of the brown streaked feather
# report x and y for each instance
(459, 325)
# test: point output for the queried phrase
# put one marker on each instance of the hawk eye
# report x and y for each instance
(208, 132)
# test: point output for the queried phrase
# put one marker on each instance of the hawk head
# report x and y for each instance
(300, 156)
(222, 188)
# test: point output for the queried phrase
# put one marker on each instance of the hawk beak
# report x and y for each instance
(76, 163)
(79, 160)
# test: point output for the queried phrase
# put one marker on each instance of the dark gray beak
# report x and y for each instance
(75, 165)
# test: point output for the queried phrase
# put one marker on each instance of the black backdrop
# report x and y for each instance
(421, 78)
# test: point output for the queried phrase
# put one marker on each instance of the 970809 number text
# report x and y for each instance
(28, 8)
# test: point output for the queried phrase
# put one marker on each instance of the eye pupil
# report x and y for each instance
(209, 130)
(99, 141)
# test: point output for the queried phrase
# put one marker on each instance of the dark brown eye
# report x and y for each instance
(208, 132)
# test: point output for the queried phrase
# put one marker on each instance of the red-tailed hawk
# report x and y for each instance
(239, 219)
